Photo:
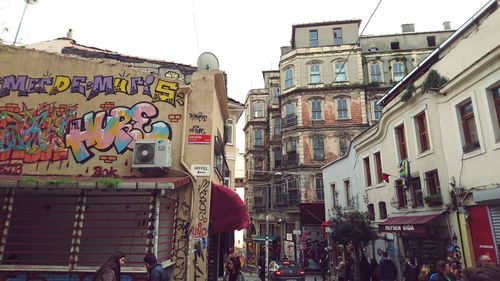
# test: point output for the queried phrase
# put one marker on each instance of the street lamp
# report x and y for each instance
(268, 195)
(22, 16)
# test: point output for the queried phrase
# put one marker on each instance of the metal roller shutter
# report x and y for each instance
(495, 224)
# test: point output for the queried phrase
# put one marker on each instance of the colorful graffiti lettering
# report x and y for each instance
(34, 134)
(11, 169)
(199, 231)
(162, 91)
(181, 245)
(115, 128)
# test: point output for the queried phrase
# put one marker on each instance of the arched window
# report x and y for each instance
(371, 212)
(382, 210)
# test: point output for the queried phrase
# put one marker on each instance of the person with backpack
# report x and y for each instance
(443, 272)
(156, 271)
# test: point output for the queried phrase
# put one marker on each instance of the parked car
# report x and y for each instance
(287, 271)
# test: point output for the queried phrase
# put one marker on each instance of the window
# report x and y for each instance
(289, 227)
(432, 179)
(258, 109)
(340, 73)
(431, 41)
(416, 192)
(469, 130)
(371, 212)
(229, 131)
(401, 142)
(316, 109)
(495, 93)
(276, 127)
(378, 167)
(290, 118)
(375, 73)
(313, 38)
(342, 111)
(337, 36)
(382, 209)
(394, 45)
(347, 188)
(377, 110)
(277, 157)
(368, 173)
(318, 178)
(315, 76)
(343, 145)
(291, 151)
(423, 135)
(318, 148)
(398, 71)
(289, 109)
(289, 77)
(401, 194)
(334, 195)
(259, 137)
(276, 95)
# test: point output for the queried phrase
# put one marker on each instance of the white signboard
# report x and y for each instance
(200, 170)
(289, 237)
(296, 232)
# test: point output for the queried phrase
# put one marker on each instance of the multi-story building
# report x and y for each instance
(431, 161)
(322, 96)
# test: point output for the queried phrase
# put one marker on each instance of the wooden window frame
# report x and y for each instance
(378, 167)
(368, 173)
(423, 133)
(401, 142)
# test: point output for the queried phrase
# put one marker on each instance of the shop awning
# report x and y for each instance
(262, 238)
(227, 211)
(487, 196)
(408, 224)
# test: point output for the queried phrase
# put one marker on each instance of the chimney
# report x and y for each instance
(408, 27)
(69, 35)
(446, 25)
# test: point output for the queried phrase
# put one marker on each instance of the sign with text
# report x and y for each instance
(200, 170)
(199, 139)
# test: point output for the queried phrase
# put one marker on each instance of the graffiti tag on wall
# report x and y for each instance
(203, 190)
(91, 87)
(115, 128)
(34, 134)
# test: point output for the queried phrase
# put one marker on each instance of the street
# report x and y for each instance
(255, 277)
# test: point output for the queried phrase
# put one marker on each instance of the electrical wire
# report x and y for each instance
(355, 44)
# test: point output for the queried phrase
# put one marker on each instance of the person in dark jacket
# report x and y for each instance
(374, 270)
(234, 270)
(262, 267)
(443, 272)
(110, 270)
(487, 272)
(156, 271)
(387, 269)
(364, 268)
(411, 269)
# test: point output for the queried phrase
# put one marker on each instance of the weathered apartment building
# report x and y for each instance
(322, 96)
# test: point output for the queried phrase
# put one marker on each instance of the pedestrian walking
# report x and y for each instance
(156, 271)
(262, 267)
(341, 269)
(487, 272)
(110, 270)
(234, 271)
(411, 269)
(443, 272)
(387, 269)
(374, 270)
(483, 260)
(364, 268)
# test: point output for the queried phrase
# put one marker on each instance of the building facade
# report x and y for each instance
(428, 164)
(322, 96)
(97, 157)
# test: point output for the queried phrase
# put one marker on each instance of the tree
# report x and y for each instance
(352, 227)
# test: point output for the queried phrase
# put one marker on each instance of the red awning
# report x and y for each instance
(407, 224)
(227, 211)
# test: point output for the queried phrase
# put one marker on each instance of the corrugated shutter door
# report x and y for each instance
(495, 224)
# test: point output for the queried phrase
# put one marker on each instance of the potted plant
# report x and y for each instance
(433, 199)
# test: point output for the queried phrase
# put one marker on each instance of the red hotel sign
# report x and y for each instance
(199, 139)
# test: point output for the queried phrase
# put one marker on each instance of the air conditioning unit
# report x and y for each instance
(152, 154)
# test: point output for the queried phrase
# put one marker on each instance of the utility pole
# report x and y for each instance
(22, 17)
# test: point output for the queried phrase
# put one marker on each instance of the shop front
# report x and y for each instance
(312, 241)
(486, 216)
(425, 237)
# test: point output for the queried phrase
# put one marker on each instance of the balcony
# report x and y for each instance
(289, 121)
(434, 199)
(286, 200)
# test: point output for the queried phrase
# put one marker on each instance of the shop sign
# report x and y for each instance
(199, 139)
(296, 231)
(289, 237)
(399, 228)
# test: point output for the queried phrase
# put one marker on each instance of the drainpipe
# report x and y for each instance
(187, 90)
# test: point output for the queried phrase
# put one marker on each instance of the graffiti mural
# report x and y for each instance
(199, 116)
(182, 226)
(51, 276)
(11, 169)
(91, 87)
(203, 190)
(34, 134)
(115, 128)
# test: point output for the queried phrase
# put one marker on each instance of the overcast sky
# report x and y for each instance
(246, 36)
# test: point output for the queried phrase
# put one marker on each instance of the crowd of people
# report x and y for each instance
(442, 270)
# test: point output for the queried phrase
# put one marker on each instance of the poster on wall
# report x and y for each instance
(314, 245)
(290, 250)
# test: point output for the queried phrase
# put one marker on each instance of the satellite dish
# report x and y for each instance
(207, 61)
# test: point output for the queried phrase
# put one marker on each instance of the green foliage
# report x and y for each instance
(434, 81)
(27, 180)
(408, 92)
(60, 182)
(352, 226)
(109, 182)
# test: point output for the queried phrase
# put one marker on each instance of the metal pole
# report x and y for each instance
(20, 22)
(267, 232)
